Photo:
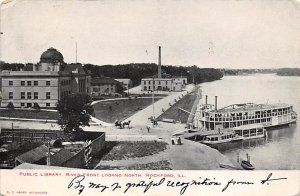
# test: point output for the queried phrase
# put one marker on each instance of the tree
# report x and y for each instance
(75, 112)
(10, 106)
(119, 88)
(36, 108)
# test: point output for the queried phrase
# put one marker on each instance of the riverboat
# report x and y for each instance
(209, 117)
(219, 138)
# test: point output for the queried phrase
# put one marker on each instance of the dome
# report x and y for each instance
(52, 56)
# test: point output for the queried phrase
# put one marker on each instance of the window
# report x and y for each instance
(28, 83)
(29, 95)
(48, 96)
(145, 82)
(11, 95)
(35, 83)
(22, 104)
(23, 95)
(22, 83)
(47, 83)
(47, 104)
(10, 83)
(35, 95)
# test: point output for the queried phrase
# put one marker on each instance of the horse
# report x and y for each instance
(119, 124)
(126, 123)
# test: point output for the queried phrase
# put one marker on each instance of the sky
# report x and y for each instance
(207, 33)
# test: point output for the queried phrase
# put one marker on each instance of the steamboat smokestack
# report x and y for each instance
(216, 103)
(159, 62)
(206, 99)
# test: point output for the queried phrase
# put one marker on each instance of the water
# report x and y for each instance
(282, 149)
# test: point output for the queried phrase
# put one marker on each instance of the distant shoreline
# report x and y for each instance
(279, 72)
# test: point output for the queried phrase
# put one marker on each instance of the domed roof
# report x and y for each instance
(52, 56)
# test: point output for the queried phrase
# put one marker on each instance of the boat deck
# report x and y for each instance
(206, 133)
(249, 107)
(249, 126)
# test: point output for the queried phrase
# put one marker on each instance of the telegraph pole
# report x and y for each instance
(153, 100)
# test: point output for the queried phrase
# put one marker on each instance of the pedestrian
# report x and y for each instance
(148, 128)
(179, 141)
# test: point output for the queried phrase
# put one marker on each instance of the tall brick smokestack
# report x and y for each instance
(159, 63)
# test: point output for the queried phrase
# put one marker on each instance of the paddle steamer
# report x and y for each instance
(208, 117)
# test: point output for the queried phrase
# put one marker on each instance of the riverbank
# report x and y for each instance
(188, 156)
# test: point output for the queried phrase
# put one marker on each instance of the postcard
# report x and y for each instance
(149, 97)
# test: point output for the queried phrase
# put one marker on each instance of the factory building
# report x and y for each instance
(160, 83)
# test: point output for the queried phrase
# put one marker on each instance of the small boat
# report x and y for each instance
(247, 165)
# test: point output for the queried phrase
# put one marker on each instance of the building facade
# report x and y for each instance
(182, 80)
(104, 86)
(162, 84)
(49, 81)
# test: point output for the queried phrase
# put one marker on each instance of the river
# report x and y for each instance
(282, 148)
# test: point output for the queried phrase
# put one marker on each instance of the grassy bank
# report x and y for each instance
(115, 151)
(123, 150)
(109, 111)
(159, 165)
(174, 112)
(29, 114)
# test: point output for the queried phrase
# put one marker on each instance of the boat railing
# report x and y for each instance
(244, 117)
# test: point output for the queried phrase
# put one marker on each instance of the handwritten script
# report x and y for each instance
(81, 184)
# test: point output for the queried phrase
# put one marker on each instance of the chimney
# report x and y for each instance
(159, 63)
(216, 103)
(206, 99)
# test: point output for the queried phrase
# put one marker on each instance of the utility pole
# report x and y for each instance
(153, 117)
